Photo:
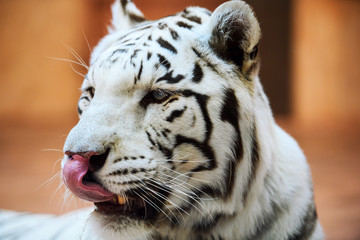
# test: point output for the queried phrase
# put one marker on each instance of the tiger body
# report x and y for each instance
(174, 121)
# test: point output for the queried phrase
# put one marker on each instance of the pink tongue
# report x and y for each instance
(73, 174)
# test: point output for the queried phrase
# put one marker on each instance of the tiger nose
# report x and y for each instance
(77, 175)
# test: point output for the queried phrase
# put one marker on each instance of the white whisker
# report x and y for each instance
(87, 42)
(70, 61)
(82, 75)
(151, 203)
(50, 149)
(76, 55)
(185, 174)
(158, 194)
(187, 201)
(50, 180)
(161, 195)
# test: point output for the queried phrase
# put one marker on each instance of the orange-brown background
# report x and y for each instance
(320, 99)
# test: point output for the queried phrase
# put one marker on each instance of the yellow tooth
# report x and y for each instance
(121, 200)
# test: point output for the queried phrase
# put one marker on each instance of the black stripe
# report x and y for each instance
(204, 146)
(163, 61)
(146, 27)
(197, 53)
(175, 114)
(197, 73)
(117, 160)
(202, 102)
(116, 52)
(79, 110)
(134, 54)
(192, 18)
(230, 113)
(136, 18)
(164, 133)
(166, 151)
(165, 44)
(85, 97)
(174, 34)
(205, 149)
(308, 224)
(133, 17)
(162, 25)
(140, 70)
(149, 55)
(170, 79)
(184, 25)
(153, 128)
(150, 139)
(212, 66)
(255, 160)
(229, 177)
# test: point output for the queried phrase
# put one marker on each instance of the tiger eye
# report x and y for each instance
(158, 95)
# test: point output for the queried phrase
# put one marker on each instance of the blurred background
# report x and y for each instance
(310, 70)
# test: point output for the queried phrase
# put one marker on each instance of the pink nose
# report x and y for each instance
(74, 171)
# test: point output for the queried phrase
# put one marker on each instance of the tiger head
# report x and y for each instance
(166, 137)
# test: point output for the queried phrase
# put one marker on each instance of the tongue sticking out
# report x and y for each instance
(73, 174)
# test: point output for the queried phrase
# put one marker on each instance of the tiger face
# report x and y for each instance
(168, 136)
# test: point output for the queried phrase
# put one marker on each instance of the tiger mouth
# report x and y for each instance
(136, 203)
(133, 207)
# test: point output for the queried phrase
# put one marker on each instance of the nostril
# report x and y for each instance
(97, 161)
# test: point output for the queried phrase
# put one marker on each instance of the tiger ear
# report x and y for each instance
(125, 15)
(235, 35)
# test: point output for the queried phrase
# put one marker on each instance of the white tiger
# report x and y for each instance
(176, 139)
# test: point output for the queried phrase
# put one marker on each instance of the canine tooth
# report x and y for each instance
(121, 200)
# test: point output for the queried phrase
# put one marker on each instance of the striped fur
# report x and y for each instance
(177, 106)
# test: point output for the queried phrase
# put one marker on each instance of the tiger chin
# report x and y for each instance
(176, 139)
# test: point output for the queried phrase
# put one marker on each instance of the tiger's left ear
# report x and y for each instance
(125, 15)
(235, 35)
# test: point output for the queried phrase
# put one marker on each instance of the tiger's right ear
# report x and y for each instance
(235, 35)
(125, 15)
